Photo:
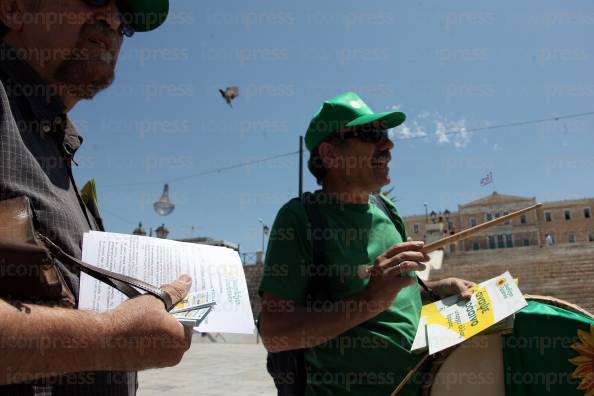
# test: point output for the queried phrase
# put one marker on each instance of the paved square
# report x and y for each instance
(212, 369)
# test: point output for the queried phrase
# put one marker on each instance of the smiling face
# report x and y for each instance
(363, 166)
(70, 43)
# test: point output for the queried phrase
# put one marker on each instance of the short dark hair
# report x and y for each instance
(316, 166)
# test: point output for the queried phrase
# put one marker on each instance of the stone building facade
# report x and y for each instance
(559, 222)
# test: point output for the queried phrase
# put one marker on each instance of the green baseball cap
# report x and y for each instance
(144, 15)
(346, 111)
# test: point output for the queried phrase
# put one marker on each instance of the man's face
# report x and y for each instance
(364, 165)
(82, 43)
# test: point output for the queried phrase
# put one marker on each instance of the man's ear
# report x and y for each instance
(328, 154)
(11, 14)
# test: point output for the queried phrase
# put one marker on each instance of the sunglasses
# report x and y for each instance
(367, 136)
(125, 28)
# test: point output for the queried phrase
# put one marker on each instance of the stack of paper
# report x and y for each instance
(217, 276)
(451, 321)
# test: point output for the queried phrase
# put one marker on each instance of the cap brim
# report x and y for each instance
(387, 120)
(147, 15)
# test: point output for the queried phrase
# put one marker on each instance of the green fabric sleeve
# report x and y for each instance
(288, 256)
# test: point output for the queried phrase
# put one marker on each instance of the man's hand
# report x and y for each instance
(451, 286)
(389, 273)
(138, 334)
(149, 335)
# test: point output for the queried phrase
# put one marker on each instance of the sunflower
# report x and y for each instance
(585, 361)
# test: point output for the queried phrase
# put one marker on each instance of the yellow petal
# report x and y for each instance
(585, 350)
(581, 372)
(580, 360)
(583, 335)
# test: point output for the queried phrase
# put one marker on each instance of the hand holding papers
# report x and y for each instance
(451, 321)
(216, 272)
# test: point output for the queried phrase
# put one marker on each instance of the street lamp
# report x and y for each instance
(426, 213)
(162, 232)
(139, 230)
(433, 216)
(163, 206)
(265, 231)
(446, 214)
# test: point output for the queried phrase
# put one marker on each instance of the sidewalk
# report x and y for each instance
(211, 369)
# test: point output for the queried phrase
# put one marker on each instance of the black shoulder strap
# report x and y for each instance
(317, 229)
(379, 202)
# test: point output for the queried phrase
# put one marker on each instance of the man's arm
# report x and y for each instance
(37, 341)
(285, 325)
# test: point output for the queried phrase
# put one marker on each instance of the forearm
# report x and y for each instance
(431, 284)
(37, 341)
(296, 327)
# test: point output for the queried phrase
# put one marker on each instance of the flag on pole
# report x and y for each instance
(487, 179)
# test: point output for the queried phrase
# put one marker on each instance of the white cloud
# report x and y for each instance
(445, 130)
(461, 136)
(405, 131)
(441, 133)
(452, 131)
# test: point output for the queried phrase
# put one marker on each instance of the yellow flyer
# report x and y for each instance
(451, 321)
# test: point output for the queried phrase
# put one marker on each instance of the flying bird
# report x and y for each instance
(229, 94)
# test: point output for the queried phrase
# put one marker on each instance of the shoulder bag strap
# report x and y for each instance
(379, 202)
(317, 227)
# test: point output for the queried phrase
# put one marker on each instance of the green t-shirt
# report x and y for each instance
(369, 359)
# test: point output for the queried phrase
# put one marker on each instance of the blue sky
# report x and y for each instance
(450, 66)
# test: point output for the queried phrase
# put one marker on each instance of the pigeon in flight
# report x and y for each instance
(229, 94)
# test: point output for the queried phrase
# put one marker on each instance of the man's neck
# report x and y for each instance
(346, 195)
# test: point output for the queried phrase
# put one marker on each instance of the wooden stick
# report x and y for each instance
(475, 230)
(409, 375)
(365, 271)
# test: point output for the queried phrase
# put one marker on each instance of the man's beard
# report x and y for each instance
(78, 75)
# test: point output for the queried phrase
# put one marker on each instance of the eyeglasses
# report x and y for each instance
(125, 28)
(367, 136)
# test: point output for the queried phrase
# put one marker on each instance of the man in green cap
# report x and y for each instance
(52, 55)
(356, 330)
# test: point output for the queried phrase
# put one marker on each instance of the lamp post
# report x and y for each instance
(265, 231)
(426, 213)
